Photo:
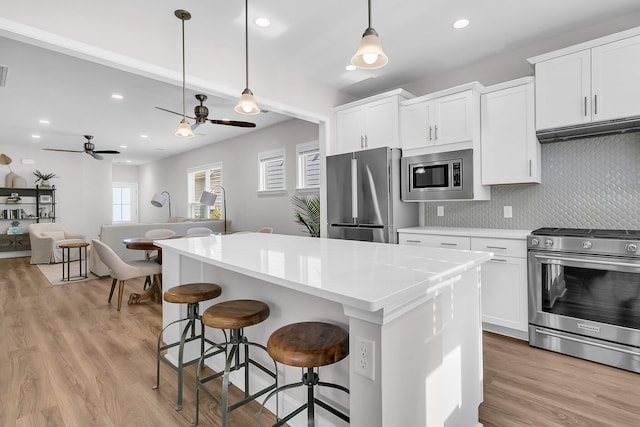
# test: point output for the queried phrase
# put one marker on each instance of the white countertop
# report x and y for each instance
(469, 232)
(368, 276)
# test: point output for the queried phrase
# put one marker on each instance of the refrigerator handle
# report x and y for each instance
(354, 189)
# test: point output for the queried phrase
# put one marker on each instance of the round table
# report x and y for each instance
(155, 290)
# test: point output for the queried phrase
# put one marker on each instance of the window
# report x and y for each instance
(124, 202)
(272, 170)
(308, 165)
(205, 178)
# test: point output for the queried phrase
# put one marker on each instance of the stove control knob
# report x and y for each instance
(631, 247)
(548, 243)
(535, 242)
(586, 245)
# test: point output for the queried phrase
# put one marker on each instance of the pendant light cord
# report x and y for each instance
(246, 43)
(183, 74)
(369, 14)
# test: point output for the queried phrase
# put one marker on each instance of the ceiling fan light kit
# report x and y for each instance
(184, 129)
(369, 54)
(247, 103)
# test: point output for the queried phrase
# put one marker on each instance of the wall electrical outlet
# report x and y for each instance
(365, 353)
(508, 212)
(440, 210)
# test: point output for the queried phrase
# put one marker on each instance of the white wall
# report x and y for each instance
(239, 157)
(83, 186)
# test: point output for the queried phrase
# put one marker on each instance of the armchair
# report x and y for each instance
(45, 238)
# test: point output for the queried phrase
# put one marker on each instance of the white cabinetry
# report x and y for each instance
(592, 82)
(504, 278)
(510, 149)
(369, 123)
(445, 117)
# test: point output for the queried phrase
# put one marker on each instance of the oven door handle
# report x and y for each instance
(587, 261)
(581, 341)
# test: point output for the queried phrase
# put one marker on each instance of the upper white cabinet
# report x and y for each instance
(368, 123)
(510, 149)
(592, 82)
(445, 117)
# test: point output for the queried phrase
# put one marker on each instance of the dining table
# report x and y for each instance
(155, 289)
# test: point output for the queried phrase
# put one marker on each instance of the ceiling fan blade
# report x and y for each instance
(94, 155)
(106, 151)
(66, 151)
(233, 123)
(195, 126)
(173, 112)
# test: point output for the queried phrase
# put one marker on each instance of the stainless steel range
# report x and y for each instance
(584, 294)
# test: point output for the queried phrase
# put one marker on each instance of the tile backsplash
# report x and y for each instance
(586, 183)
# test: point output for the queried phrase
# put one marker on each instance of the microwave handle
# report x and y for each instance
(354, 189)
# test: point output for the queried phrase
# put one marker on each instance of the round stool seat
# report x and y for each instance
(192, 293)
(235, 314)
(309, 344)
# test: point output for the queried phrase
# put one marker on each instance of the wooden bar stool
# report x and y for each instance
(308, 345)
(191, 294)
(234, 315)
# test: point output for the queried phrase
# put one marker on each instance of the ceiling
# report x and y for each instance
(315, 42)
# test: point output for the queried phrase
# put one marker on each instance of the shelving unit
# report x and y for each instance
(32, 207)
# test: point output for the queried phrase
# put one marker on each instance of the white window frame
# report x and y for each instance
(302, 151)
(193, 200)
(263, 158)
(133, 201)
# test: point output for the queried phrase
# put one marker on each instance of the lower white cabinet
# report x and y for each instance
(504, 278)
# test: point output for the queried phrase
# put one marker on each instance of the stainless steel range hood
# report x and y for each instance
(586, 130)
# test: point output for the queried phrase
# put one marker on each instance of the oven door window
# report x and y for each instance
(593, 293)
(431, 176)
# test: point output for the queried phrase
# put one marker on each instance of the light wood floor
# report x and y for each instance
(67, 358)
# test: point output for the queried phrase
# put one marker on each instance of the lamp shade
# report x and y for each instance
(184, 129)
(247, 103)
(369, 54)
(208, 198)
(159, 199)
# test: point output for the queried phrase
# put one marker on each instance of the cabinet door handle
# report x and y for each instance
(448, 244)
(436, 132)
(595, 104)
(361, 141)
(496, 247)
(529, 167)
(366, 141)
(585, 106)
(430, 136)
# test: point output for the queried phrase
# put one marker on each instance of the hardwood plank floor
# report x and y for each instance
(68, 358)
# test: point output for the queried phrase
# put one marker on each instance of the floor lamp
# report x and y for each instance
(207, 198)
(159, 199)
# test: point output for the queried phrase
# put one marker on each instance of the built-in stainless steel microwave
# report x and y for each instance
(438, 176)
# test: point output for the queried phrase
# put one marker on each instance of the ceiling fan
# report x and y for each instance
(89, 148)
(201, 113)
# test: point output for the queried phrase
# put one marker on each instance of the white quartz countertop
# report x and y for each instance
(469, 232)
(364, 275)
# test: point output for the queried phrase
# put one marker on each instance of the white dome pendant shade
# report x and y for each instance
(247, 103)
(369, 54)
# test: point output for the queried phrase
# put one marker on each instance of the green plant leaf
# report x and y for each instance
(307, 213)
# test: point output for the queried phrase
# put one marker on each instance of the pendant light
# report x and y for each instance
(369, 54)
(246, 104)
(184, 129)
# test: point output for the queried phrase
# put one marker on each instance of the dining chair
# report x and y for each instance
(265, 230)
(120, 270)
(199, 231)
(155, 234)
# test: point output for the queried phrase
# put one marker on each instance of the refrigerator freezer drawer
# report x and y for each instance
(364, 233)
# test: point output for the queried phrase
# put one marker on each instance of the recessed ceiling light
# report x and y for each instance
(460, 23)
(350, 67)
(144, 136)
(34, 136)
(123, 146)
(262, 22)
(116, 96)
(44, 121)
(127, 161)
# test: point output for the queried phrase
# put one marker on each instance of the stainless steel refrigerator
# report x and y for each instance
(363, 196)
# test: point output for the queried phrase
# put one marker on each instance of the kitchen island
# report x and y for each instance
(417, 308)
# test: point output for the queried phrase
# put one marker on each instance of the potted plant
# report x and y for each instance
(307, 213)
(44, 177)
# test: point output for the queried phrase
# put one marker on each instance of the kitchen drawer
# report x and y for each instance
(435, 241)
(500, 247)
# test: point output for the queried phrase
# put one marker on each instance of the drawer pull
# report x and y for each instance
(449, 244)
(414, 241)
(496, 247)
(499, 260)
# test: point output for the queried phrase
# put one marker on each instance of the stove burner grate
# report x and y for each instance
(588, 232)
